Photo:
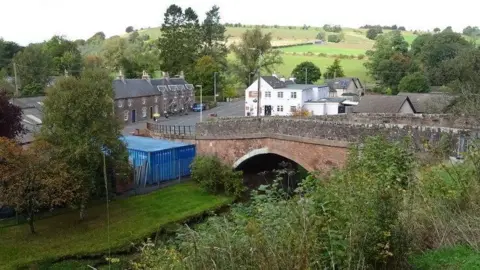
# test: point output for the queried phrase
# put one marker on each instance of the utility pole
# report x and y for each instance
(258, 93)
(215, 87)
(306, 75)
(16, 80)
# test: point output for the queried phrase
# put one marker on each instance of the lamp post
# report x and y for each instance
(215, 87)
(201, 101)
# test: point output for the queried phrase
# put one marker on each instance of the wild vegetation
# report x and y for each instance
(380, 212)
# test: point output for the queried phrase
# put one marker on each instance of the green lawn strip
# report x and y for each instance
(453, 258)
(131, 220)
(327, 49)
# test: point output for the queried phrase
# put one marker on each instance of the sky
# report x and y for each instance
(26, 21)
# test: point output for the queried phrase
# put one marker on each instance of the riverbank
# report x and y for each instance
(132, 220)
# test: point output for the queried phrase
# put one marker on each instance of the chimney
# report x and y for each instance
(282, 79)
(274, 75)
(120, 76)
(165, 75)
(182, 74)
(145, 76)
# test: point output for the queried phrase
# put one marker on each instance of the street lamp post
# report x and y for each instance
(259, 78)
(215, 87)
(201, 101)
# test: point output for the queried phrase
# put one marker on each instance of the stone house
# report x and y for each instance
(140, 99)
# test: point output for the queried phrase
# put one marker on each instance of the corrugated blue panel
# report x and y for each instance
(154, 167)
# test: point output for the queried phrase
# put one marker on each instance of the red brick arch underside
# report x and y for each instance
(312, 157)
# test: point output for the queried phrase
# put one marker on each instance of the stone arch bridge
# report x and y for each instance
(316, 143)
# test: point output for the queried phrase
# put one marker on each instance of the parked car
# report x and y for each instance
(199, 107)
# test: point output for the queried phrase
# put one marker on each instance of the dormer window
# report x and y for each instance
(129, 103)
(144, 100)
(156, 99)
(120, 103)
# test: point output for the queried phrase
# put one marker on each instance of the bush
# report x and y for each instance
(216, 177)
(334, 38)
(360, 56)
(415, 83)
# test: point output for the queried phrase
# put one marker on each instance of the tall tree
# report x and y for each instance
(213, 36)
(33, 179)
(10, 117)
(79, 121)
(334, 71)
(114, 53)
(65, 55)
(254, 50)
(416, 82)
(306, 70)
(180, 40)
(203, 74)
(34, 68)
(8, 49)
(389, 60)
(419, 43)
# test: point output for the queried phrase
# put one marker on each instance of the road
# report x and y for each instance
(224, 109)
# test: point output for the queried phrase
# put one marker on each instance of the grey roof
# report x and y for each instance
(274, 82)
(288, 82)
(28, 102)
(324, 100)
(130, 88)
(343, 83)
(304, 86)
(429, 102)
(381, 104)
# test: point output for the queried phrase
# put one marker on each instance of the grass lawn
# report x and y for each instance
(328, 49)
(352, 67)
(455, 258)
(131, 220)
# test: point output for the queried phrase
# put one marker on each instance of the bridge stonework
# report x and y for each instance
(320, 143)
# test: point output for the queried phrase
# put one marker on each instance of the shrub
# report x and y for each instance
(360, 56)
(334, 38)
(322, 54)
(216, 177)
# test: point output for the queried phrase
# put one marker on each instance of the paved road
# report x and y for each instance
(223, 109)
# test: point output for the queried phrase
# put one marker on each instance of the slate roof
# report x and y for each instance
(131, 88)
(32, 110)
(324, 100)
(304, 86)
(381, 104)
(343, 83)
(429, 102)
(274, 82)
(28, 102)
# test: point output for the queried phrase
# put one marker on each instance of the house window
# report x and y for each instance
(144, 112)
(156, 108)
(156, 99)
(280, 94)
(120, 103)
(280, 107)
(268, 94)
(293, 109)
(293, 95)
(144, 100)
(129, 103)
(125, 115)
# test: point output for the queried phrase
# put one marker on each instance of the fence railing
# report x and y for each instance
(171, 129)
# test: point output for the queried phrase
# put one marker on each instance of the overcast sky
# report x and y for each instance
(26, 21)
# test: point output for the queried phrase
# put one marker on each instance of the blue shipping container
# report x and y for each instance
(157, 161)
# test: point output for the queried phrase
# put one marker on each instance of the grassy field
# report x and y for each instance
(131, 220)
(327, 49)
(352, 67)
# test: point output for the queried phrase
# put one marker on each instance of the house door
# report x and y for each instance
(151, 112)
(268, 110)
(133, 116)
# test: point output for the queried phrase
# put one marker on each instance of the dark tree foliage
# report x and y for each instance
(372, 33)
(97, 37)
(10, 118)
(181, 35)
(334, 38)
(321, 36)
(419, 43)
(436, 30)
(402, 28)
(213, 36)
(65, 56)
(8, 49)
(34, 68)
(415, 83)
(332, 28)
(129, 29)
(306, 70)
(334, 71)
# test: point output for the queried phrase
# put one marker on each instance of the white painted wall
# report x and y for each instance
(286, 102)
(324, 108)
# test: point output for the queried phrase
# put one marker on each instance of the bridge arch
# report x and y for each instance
(268, 150)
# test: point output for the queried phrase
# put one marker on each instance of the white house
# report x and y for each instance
(283, 98)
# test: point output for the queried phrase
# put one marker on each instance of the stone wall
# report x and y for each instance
(422, 129)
